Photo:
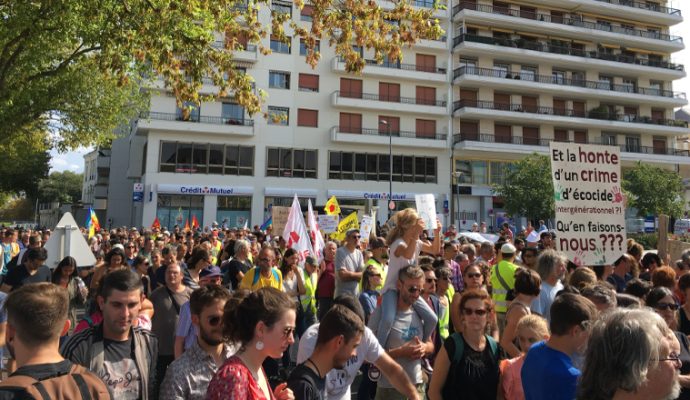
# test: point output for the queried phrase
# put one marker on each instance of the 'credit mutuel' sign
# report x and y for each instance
(205, 190)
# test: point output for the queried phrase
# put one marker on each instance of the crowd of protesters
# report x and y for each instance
(410, 312)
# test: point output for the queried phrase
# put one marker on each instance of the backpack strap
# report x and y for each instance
(493, 345)
(83, 387)
(256, 276)
(276, 277)
(459, 347)
(42, 390)
(500, 278)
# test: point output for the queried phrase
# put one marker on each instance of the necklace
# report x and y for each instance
(318, 372)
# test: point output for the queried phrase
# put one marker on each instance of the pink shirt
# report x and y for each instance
(512, 382)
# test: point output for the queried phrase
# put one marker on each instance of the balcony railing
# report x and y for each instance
(402, 66)
(398, 133)
(486, 138)
(564, 21)
(220, 44)
(644, 6)
(556, 80)
(391, 98)
(571, 51)
(564, 112)
(196, 118)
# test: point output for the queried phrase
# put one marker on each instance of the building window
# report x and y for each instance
(281, 7)
(308, 83)
(350, 123)
(306, 13)
(307, 117)
(303, 47)
(291, 163)
(278, 46)
(279, 80)
(278, 116)
(233, 114)
(376, 167)
(204, 158)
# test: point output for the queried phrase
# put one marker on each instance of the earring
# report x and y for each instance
(259, 345)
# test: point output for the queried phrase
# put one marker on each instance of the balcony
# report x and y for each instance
(470, 76)
(573, 118)
(396, 70)
(627, 9)
(644, 6)
(249, 54)
(575, 26)
(522, 145)
(391, 103)
(195, 123)
(431, 44)
(564, 56)
(378, 137)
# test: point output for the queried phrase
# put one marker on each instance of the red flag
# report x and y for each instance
(186, 224)
(195, 222)
(156, 224)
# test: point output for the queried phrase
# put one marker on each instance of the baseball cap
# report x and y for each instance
(210, 272)
(508, 249)
(310, 260)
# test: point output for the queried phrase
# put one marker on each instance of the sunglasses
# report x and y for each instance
(355, 236)
(413, 290)
(480, 312)
(474, 275)
(215, 320)
(667, 306)
(288, 331)
(430, 280)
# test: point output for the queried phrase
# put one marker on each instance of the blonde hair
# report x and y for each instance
(534, 322)
(404, 220)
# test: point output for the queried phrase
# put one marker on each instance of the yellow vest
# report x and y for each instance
(498, 291)
(308, 299)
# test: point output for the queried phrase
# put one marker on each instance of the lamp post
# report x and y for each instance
(390, 165)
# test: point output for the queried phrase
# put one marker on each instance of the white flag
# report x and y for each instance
(315, 232)
(295, 233)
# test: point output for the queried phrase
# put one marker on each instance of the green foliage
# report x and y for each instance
(24, 162)
(16, 209)
(76, 67)
(528, 188)
(648, 240)
(653, 190)
(63, 187)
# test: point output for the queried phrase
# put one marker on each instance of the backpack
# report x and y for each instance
(257, 275)
(79, 383)
(460, 347)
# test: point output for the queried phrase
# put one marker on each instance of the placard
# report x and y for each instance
(328, 223)
(590, 210)
(280, 217)
(426, 208)
(365, 227)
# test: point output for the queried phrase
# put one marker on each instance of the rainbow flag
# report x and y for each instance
(92, 223)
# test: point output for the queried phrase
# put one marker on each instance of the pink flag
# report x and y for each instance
(316, 236)
(295, 233)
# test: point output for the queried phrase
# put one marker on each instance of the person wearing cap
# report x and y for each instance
(31, 271)
(503, 281)
(379, 259)
(349, 264)
(186, 332)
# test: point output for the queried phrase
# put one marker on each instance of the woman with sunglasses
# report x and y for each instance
(474, 280)
(468, 363)
(661, 300)
(262, 324)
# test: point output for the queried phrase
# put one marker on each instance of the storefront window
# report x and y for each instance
(234, 211)
(179, 210)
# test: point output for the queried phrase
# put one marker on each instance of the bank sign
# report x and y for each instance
(205, 190)
(384, 196)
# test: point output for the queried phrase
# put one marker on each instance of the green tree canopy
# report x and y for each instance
(63, 187)
(528, 188)
(653, 190)
(77, 67)
(24, 162)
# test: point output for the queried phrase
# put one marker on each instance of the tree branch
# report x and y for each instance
(76, 54)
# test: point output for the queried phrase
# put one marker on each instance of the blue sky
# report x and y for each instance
(74, 160)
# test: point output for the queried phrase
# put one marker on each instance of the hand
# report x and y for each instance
(283, 392)
(84, 292)
(439, 226)
(414, 349)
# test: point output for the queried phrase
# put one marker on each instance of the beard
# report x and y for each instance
(675, 389)
(208, 339)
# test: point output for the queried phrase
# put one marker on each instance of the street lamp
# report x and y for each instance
(390, 165)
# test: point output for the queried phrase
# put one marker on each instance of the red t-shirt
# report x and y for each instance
(326, 285)
(234, 381)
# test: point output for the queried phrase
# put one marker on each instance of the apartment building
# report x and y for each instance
(507, 78)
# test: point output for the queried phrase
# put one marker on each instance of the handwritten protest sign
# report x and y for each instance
(426, 208)
(328, 223)
(365, 228)
(280, 217)
(590, 211)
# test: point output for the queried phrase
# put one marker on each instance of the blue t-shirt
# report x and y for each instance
(548, 374)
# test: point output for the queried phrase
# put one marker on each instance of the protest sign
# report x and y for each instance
(426, 208)
(347, 223)
(328, 223)
(590, 211)
(365, 228)
(279, 215)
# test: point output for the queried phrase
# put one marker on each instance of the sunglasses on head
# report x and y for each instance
(667, 306)
(480, 312)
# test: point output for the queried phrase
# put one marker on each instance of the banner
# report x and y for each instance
(347, 223)
(426, 208)
(315, 234)
(590, 210)
(295, 232)
(328, 223)
(279, 216)
(365, 229)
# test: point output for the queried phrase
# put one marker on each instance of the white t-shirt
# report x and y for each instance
(290, 285)
(338, 381)
(395, 264)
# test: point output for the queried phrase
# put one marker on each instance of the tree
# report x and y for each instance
(653, 190)
(77, 66)
(24, 162)
(63, 187)
(528, 188)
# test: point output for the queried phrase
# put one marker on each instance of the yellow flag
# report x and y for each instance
(332, 207)
(345, 224)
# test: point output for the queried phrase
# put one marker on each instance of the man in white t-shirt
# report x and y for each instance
(349, 265)
(338, 381)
